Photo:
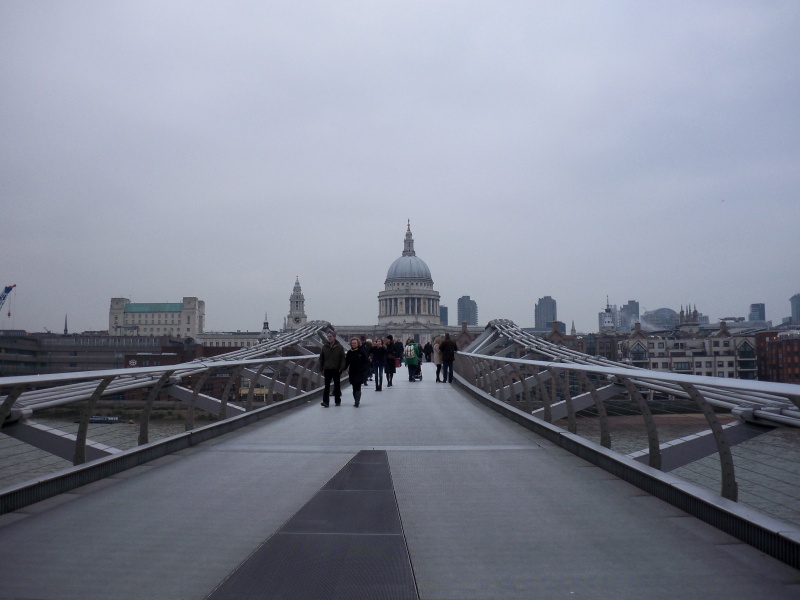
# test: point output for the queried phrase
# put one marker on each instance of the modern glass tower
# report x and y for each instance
(757, 313)
(544, 314)
(467, 311)
(795, 300)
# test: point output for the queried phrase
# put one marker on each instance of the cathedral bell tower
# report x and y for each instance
(297, 308)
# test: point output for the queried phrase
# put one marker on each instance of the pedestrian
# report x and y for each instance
(398, 350)
(427, 351)
(366, 346)
(412, 354)
(437, 356)
(357, 363)
(391, 360)
(378, 356)
(448, 348)
(332, 363)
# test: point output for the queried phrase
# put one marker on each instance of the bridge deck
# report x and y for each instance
(484, 508)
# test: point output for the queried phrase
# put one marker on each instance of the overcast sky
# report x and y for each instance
(581, 150)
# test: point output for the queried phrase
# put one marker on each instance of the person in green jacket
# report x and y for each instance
(332, 363)
(411, 355)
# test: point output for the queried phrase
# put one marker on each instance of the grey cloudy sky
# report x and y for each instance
(636, 150)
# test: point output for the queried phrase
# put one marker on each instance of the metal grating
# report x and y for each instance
(346, 542)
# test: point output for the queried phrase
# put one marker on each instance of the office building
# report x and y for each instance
(545, 314)
(795, 302)
(467, 311)
(757, 313)
(628, 316)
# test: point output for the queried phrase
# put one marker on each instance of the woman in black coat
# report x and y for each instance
(391, 360)
(357, 363)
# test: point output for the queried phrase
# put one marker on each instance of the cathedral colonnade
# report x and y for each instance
(408, 306)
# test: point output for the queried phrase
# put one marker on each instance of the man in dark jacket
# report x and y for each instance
(428, 351)
(331, 364)
(449, 349)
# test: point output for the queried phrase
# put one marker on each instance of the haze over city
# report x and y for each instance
(586, 150)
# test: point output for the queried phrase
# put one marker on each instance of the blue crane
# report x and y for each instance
(5, 294)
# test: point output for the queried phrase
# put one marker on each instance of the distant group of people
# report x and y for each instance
(365, 361)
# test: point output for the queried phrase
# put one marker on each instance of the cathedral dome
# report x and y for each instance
(408, 267)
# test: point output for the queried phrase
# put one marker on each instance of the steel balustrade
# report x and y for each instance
(286, 365)
(537, 384)
(545, 374)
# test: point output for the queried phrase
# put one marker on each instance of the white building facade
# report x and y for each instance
(181, 319)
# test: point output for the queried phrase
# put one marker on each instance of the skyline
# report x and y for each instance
(583, 151)
(281, 318)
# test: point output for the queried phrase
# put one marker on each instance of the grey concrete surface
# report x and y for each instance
(487, 508)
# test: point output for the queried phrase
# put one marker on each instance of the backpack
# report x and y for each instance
(411, 352)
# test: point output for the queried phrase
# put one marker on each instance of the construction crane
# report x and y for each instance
(5, 294)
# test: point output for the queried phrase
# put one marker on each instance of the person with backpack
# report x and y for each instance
(412, 354)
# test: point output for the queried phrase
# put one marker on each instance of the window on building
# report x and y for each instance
(720, 364)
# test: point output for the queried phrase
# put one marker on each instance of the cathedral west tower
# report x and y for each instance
(297, 308)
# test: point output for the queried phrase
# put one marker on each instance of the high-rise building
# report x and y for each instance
(757, 313)
(467, 311)
(795, 301)
(628, 316)
(443, 314)
(544, 314)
